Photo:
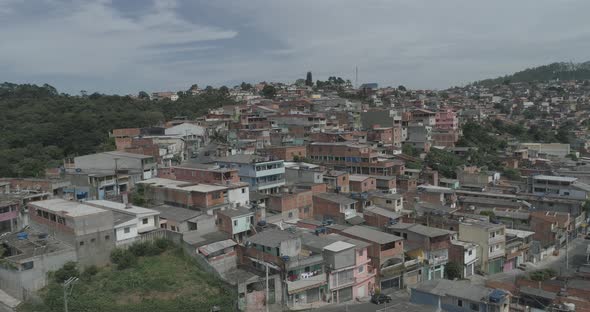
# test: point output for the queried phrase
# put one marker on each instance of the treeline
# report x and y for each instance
(561, 71)
(40, 126)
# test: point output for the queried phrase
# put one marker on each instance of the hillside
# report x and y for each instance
(171, 281)
(561, 71)
(40, 126)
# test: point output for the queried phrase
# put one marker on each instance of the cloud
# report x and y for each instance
(126, 46)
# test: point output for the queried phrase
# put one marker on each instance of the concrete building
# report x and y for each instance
(28, 258)
(9, 215)
(337, 181)
(378, 217)
(187, 195)
(464, 254)
(263, 175)
(460, 296)
(130, 221)
(292, 203)
(393, 202)
(420, 137)
(236, 222)
(185, 220)
(109, 161)
(491, 242)
(335, 207)
(428, 244)
(102, 184)
(362, 183)
(386, 184)
(446, 120)
(551, 227)
(89, 229)
(351, 157)
(287, 153)
(561, 187)
(546, 149)
(299, 172)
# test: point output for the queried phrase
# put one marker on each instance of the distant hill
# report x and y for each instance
(561, 71)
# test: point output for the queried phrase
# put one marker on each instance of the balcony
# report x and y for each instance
(268, 172)
(269, 184)
(438, 260)
(497, 253)
(497, 239)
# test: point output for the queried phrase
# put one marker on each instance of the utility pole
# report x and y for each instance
(68, 285)
(116, 175)
(567, 239)
(266, 298)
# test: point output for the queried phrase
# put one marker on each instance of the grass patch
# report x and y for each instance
(171, 281)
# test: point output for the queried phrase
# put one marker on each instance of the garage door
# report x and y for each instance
(391, 283)
(361, 291)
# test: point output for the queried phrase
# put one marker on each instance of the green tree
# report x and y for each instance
(308, 79)
(269, 92)
(245, 86)
(142, 95)
(402, 88)
(453, 270)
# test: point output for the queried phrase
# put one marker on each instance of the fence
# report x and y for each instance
(175, 237)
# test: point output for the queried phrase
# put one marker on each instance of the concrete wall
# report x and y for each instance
(121, 235)
(239, 196)
(20, 283)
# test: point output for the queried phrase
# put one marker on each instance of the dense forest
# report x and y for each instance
(561, 71)
(40, 126)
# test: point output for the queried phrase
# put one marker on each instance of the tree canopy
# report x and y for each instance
(40, 126)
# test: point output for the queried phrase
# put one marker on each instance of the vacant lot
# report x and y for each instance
(170, 281)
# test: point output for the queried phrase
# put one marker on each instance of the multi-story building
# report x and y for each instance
(188, 195)
(294, 203)
(562, 187)
(88, 228)
(491, 241)
(423, 116)
(115, 161)
(337, 181)
(335, 207)
(362, 183)
(551, 227)
(287, 153)
(130, 221)
(263, 175)
(420, 137)
(393, 202)
(237, 222)
(386, 184)
(428, 244)
(464, 254)
(303, 173)
(351, 157)
(9, 215)
(446, 120)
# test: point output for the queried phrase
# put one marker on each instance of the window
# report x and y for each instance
(173, 228)
(92, 240)
(361, 269)
(459, 303)
(235, 222)
(243, 190)
(474, 307)
(470, 252)
(306, 209)
(361, 253)
(82, 243)
(144, 221)
(290, 215)
(28, 265)
(566, 193)
(251, 219)
(107, 237)
(388, 201)
(216, 195)
(126, 230)
(38, 212)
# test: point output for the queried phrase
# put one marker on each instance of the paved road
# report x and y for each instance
(576, 258)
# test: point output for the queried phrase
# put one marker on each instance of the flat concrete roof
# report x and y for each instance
(339, 246)
(554, 178)
(70, 208)
(183, 185)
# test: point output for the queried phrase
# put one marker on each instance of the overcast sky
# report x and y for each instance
(130, 45)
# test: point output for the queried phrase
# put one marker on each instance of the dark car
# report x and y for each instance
(379, 299)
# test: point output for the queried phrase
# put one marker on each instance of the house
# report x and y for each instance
(551, 227)
(9, 215)
(287, 153)
(420, 137)
(299, 172)
(335, 207)
(362, 183)
(491, 242)
(449, 183)
(384, 249)
(294, 203)
(184, 220)
(352, 157)
(115, 161)
(518, 243)
(386, 184)
(221, 255)
(185, 194)
(29, 257)
(193, 135)
(237, 222)
(459, 296)
(88, 228)
(464, 254)
(428, 244)
(130, 221)
(378, 217)
(393, 202)
(263, 175)
(337, 181)
(100, 184)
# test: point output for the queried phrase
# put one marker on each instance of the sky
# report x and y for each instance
(125, 46)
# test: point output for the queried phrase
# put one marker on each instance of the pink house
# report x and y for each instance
(446, 120)
(350, 275)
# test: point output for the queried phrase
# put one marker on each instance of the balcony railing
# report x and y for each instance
(497, 239)
(497, 253)
(279, 181)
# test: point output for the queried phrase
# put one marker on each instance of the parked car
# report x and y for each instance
(379, 299)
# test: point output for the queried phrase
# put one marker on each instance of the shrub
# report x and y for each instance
(89, 272)
(123, 258)
(139, 249)
(67, 271)
(162, 244)
(543, 275)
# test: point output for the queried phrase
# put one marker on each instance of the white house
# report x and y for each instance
(130, 221)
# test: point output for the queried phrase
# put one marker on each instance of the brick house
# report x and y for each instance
(294, 202)
(362, 183)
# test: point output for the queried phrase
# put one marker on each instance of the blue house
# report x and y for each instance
(460, 296)
(264, 174)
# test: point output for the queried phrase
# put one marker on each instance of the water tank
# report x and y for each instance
(568, 306)
(22, 235)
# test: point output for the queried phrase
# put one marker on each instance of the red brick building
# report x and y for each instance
(352, 157)
(287, 153)
(362, 183)
(295, 202)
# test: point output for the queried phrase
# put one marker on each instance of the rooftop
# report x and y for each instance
(337, 198)
(216, 246)
(125, 154)
(358, 177)
(519, 233)
(420, 229)
(235, 212)
(70, 208)
(176, 213)
(244, 159)
(371, 235)
(382, 212)
(120, 207)
(271, 238)
(35, 244)
(183, 185)
(554, 178)
(459, 289)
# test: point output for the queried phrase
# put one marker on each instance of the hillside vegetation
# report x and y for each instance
(162, 279)
(561, 71)
(40, 126)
